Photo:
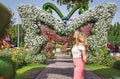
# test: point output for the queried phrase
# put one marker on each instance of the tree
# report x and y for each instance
(114, 34)
(13, 31)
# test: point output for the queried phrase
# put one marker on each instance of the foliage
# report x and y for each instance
(49, 7)
(13, 31)
(5, 16)
(17, 55)
(101, 58)
(7, 68)
(114, 34)
(35, 58)
(6, 52)
(13, 35)
(22, 57)
(72, 3)
(109, 61)
(117, 64)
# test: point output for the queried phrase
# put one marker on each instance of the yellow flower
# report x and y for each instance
(15, 51)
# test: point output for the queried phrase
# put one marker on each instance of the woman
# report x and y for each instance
(79, 54)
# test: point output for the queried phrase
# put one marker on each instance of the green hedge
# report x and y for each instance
(117, 64)
(7, 68)
(35, 58)
(101, 57)
(5, 17)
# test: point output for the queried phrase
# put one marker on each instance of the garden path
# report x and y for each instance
(62, 68)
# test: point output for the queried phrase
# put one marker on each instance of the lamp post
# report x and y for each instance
(18, 40)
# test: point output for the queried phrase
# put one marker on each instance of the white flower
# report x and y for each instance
(101, 15)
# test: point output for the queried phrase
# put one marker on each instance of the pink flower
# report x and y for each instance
(86, 29)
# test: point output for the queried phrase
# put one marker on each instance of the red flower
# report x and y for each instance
(110, 46)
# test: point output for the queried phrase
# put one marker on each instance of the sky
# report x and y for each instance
(13, 4)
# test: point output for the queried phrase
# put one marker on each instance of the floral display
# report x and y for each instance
(86, 29)
(32, 17)
(51, 35)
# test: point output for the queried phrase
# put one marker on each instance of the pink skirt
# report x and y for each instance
(78, 68)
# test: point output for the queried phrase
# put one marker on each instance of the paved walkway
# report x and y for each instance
(62, 68)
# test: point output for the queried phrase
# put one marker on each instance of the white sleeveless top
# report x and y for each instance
(76, 50)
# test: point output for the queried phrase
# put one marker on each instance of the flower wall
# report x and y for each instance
(32, 17)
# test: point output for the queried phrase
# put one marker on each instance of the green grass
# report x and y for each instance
(27, 71)
(104, 71)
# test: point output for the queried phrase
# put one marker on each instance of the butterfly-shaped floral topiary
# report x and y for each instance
(32, 17)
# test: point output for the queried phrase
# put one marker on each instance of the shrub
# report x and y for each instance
(17, 55)
(6, 52)
(117, 64)
(7, 68)
(35, 58)
(109, 61)
(102, 58)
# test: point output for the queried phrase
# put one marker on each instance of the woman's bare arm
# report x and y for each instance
(84, 56)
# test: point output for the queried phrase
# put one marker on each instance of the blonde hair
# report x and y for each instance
(81, 38)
